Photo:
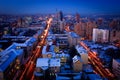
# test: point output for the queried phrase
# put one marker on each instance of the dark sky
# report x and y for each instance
(67, 6)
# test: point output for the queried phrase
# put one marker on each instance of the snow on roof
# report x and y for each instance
(52, 48)
(44, 50)
(39, 32)
(51, 37)
(109, 46)
(50, 43)
(21, 44)
(94, 46)
(73, 34)
(30, 41)
(7, 59)
(62, 78)
(54, 62)
(62, 55)
(42, 62)
(94, 77)
(77, 77)
(53, 54)
(14, 45)
(88, 70)
(76, 58)
(12, 48)
(80, 49)
(7, 36)
(118, 60)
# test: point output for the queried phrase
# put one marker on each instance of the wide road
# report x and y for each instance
(28, 73)
(95, 61)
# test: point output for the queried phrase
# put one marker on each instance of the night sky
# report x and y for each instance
(67, 6)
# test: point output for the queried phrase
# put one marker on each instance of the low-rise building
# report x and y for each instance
(116, 68)
(83, 53)
(10, 62)
(77, 64)
(47, 65)
(55, 65)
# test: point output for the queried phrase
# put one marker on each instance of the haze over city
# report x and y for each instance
(67, 6)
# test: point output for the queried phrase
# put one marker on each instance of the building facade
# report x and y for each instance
(116, 68)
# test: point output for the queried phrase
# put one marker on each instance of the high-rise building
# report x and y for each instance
(80, 28)
(114, 35)
(99, 21)
(60, 16)
(21, 22)
(89, 29)
(100, 35)
(77, 17)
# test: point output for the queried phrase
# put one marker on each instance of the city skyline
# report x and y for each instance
(67, 6)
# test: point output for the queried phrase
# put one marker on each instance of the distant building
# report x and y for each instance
(114, 35)
(77, 17)
(79, 28)
(62, 25)
(60, 16)
(21, 22)
(77, 64)
(89, 29)
(100, 35)
(73, 39)
(116, 68)
(85, 29)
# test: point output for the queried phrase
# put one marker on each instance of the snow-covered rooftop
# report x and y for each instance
(62, 78)
(109, 46)
(54, 62)
(80, 49)
(94, 77)
(44, 50)
(95, 46)
(76, 58)
(42, 62)
(73, 34)
(50, 43)
(5, 60)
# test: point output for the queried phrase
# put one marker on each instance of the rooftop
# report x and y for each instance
(7, 59)
(42, 62)
(94, 77)
(80, 49)
(73, 34)
(55, 62)
(76, 58)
